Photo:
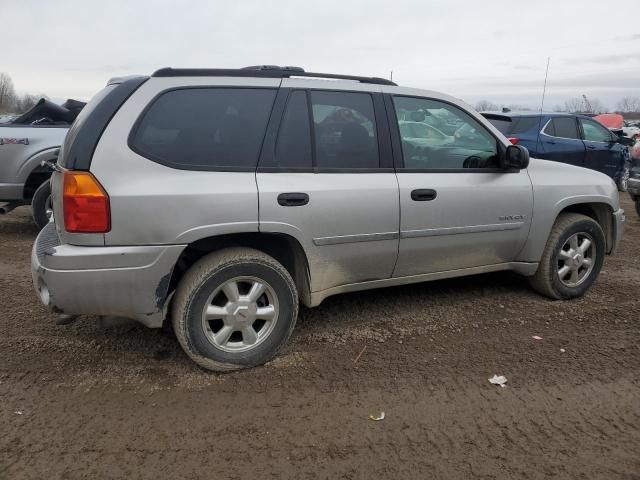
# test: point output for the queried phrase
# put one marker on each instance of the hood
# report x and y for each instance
(561, 180)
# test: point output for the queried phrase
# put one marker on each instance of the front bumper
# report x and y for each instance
(130, 282)
(618, 229)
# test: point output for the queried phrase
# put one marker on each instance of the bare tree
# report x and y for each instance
(26, 102)
(573, 105)
(577, 104)
(628, 104)
(518, 108)
(596, 106)
(485, 106)
(7, 93)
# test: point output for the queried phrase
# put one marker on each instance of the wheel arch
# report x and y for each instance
(598, 208)
(598, 211)
(34, 173)
(284, 248)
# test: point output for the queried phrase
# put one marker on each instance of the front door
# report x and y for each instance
(327, 180)
(603, 153)
(458, 209)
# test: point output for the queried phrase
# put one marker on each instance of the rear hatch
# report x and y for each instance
(80, 143)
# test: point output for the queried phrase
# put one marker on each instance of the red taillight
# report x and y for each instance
(85, 204)
(513, 140)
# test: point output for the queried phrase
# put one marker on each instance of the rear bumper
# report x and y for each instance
(130, 282)
(11, 191)
(618, 229)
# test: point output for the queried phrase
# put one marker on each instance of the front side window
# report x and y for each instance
(437, 135)
(205, 128)
(344, 130)
(594, 132)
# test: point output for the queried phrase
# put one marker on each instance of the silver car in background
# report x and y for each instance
(221, 199)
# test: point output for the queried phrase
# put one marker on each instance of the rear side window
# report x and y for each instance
(205, 128)
(565, 127)
(345, 130)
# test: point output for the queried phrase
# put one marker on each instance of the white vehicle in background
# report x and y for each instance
(631, 131)
(27, 143)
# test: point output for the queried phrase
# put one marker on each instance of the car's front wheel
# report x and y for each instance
(638, 207)
(234, 309)
(41, 206)
(572, 258)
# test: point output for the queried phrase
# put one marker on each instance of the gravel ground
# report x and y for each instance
(110, 399)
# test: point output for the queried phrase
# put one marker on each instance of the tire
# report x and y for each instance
(623, 179)
(638, 207)
(547, 280)
(204, 340)
(41, 204)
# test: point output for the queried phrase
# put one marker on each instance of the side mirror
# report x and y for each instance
(516, 157)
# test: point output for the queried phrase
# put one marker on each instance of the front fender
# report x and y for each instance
(545, 215)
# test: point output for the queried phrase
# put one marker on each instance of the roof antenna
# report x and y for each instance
(392, 75)
(544, 91)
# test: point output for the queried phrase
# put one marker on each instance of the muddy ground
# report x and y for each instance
(95, 400)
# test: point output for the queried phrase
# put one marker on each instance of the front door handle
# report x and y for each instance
(591, 147)
(293, 199)
(423, 194)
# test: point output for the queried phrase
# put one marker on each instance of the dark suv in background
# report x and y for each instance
(567, 138)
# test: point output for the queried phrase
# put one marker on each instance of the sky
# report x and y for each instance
(472, 49)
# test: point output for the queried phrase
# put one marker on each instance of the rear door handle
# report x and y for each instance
(423, 194)
(591, 147)
(293, 199)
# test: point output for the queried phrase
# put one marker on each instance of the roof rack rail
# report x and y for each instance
(266, 71)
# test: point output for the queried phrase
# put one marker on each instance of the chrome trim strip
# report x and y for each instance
(364, 237)
(434, 232)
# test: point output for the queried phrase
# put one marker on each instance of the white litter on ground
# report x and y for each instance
(499, 380)
(536, 337)
(377, 418)
(562, 350)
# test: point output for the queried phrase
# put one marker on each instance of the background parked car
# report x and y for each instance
(568, 138)
(26, 142)
(634, 177)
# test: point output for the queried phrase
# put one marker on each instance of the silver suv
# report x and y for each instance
(221, 199)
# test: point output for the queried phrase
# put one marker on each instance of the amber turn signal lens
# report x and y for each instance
(85, 204)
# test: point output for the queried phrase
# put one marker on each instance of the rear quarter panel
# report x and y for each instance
(155, 204)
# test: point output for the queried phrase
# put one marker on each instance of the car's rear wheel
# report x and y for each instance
(41, 206)
(638, 207)
(623, 179)
(572, 258)
(234, 309)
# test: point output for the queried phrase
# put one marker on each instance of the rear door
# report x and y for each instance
(603, 154)
(326, 178)
(560, 141)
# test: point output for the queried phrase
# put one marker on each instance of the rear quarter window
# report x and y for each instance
(204, 128)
